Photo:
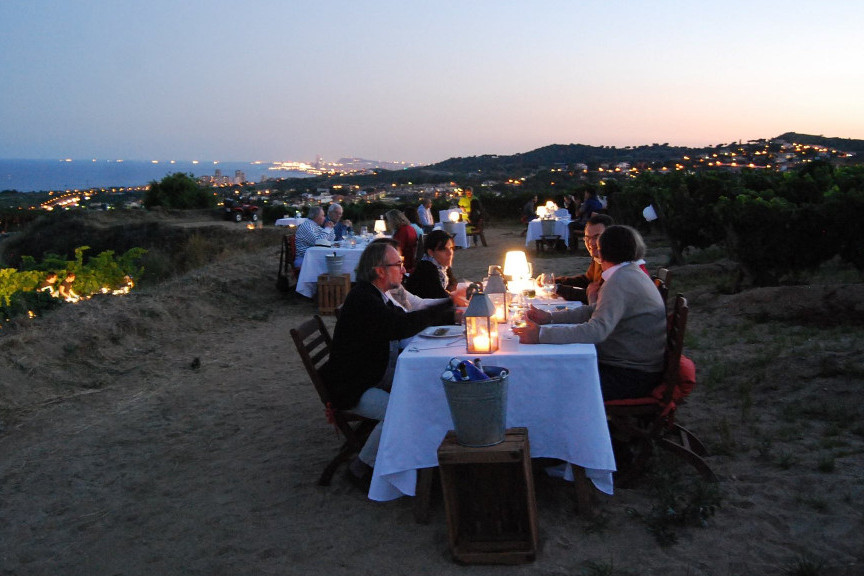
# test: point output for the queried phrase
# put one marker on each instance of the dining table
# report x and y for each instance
(553, 390)
(459, 231)
(289, 221)
(535, 230)
(315, 264)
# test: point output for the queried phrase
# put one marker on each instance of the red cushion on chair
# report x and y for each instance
(686, 378)
(686, 382)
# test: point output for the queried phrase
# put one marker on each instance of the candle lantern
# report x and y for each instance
(496, 289)
(481, 328)
(380, 226)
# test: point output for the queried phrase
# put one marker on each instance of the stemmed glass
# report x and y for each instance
(549, 284)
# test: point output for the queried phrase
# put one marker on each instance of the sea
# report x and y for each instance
(69, 174)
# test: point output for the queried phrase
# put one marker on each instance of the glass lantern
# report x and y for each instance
(380, 226)
(481, 328)
(496, 289)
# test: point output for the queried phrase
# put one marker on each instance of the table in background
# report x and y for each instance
(535, 231)
(459, 231)
(314, 264)
(293, 222)
(553, 390)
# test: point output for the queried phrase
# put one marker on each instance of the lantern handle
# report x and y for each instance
(471, 289)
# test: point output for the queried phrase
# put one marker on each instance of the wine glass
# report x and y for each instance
(549, 284)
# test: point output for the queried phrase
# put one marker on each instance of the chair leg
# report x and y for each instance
(638, 464)
(690, 457)
(348, 449)
(483, 239)
(689, 440)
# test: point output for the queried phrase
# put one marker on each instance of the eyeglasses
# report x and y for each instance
(395, 264)
(593, 238)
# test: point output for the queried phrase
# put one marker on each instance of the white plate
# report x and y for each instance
(442, 331)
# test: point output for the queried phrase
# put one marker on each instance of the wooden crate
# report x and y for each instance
(490, 501)
(332, 291)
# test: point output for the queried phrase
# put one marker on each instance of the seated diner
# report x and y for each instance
(627, 323)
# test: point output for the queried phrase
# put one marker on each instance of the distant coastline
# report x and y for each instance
(25, 175)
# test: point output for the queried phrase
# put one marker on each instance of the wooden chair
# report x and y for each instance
(288, 274)
(642, 423)
(662, 279)
(475, 231)
(313, 343)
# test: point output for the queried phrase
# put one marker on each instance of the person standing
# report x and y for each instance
(465, 203)
(310, 231)
(424, 215)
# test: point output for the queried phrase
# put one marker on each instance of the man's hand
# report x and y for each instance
(528, 334)
(538, 316)
(347, 223)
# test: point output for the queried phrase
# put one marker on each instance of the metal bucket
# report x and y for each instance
(548, 227)
(334, 264)
(450, 227)
(478, 409)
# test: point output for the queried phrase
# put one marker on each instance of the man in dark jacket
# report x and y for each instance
(365, 341)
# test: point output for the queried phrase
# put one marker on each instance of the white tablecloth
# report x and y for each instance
(553, 390)
(314, 265)
(535, 231)
(289, 221)
(459, 231)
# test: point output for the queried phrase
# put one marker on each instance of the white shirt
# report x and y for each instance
(425, 216)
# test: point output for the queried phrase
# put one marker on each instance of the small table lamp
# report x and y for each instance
(380, 227)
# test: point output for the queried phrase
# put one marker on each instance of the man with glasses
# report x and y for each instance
(365, 344)
(583, 288)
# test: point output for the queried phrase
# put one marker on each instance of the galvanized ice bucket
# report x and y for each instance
(334, 264)
(479, 408)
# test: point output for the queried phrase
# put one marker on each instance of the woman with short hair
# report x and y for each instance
(627, 323)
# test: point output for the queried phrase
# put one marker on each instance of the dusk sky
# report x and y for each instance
(418, 81)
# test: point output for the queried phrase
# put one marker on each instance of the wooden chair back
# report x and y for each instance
(313, 342)
(662, 280)
(677, 326)
(287, 271)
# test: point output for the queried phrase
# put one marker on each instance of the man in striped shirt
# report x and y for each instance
(310, 231)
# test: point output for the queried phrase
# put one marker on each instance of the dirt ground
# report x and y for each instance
(120, 454)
